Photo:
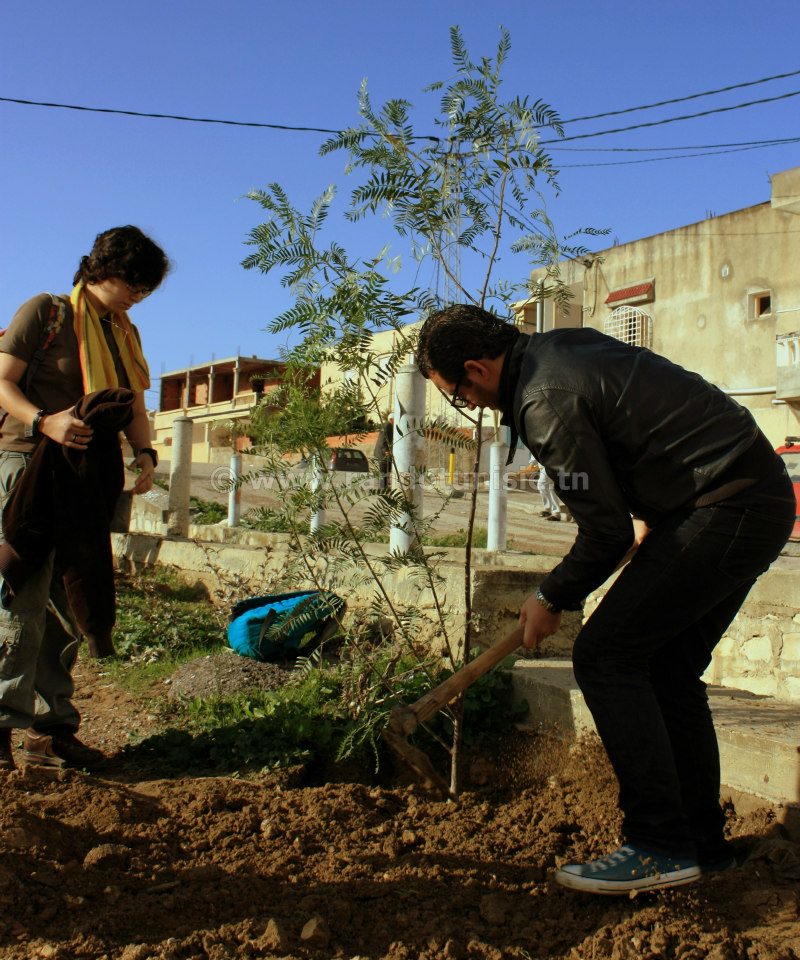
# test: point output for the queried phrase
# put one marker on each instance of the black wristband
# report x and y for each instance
(37, 421)
(150, 453)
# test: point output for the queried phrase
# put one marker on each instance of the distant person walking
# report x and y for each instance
(551, 507)
(56, 351)
(383, 453)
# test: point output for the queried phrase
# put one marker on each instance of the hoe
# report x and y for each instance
(404, 720)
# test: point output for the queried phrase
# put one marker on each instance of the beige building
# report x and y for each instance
(721, 297)
(215, 396)
(437, 454)
(379, 395)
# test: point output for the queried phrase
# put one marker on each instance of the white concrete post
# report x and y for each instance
(318, 518)
(236, 370)
(180, 478)
(235, 492)
(498, 494)
(408, 450)
(540, 307)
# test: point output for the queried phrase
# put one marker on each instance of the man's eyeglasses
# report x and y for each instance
(460, 403)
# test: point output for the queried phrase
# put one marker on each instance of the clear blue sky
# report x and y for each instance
(65, 175)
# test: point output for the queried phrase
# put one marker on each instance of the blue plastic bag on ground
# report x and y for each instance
(272, 627)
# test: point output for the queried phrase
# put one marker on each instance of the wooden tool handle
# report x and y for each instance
(435, 699)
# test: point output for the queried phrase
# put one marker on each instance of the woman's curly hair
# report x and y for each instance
(126, 253)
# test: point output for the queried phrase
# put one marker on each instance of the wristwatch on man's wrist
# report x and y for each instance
(544, 602)
(150, 453)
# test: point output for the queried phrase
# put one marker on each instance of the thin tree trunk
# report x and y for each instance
(458, 706)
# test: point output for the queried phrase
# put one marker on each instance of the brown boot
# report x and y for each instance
(61, 749)
(6, 754)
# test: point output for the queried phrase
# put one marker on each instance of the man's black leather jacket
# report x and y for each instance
(623, 432)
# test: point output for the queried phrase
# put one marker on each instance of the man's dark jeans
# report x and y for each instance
(639, 658)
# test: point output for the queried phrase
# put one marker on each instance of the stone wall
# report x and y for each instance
(760, 652)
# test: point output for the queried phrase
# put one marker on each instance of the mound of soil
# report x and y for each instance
(222, 674)
(129, 868)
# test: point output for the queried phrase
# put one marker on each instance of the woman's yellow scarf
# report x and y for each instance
(97, 363)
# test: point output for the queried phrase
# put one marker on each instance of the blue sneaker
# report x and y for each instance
(628, 869)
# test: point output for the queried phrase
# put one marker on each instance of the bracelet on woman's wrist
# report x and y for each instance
(150, 453)
(36, 423)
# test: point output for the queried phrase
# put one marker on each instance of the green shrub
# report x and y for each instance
(207, 511)
(159, 617)
(318, 720)
(266, 520)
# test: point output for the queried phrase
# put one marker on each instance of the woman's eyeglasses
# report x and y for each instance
(140, 292)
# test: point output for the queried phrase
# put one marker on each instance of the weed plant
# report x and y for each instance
(207, 511)
(266, 520)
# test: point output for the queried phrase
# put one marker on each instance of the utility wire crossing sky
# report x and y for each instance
(148, 131)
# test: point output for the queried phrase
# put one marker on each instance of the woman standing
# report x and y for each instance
(55, 351)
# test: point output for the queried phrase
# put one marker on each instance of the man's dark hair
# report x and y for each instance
(450, 337)
(126, 253)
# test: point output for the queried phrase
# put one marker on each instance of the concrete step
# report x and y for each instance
(759, 737)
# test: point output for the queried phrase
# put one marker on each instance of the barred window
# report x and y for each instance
(630, 325)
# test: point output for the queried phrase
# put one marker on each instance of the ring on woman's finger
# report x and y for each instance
(74, 437)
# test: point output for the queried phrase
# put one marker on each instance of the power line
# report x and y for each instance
(691, 96)
(167, 116)
(678, 156)
(774, 141)
(659, 123)
(328, 130)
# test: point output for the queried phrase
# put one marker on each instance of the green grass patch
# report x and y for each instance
(161, 622)
(207, 511)
(325, 715)
(319, 721)
(459, 539)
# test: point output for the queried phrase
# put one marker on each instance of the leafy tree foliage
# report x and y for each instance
(296, 418)
(452, 195)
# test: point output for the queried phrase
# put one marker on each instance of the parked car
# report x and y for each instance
(790, 452)
(348, 460)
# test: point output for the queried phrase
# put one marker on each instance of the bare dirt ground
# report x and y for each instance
(126, 867)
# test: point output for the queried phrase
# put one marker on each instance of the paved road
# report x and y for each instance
(527, 531)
